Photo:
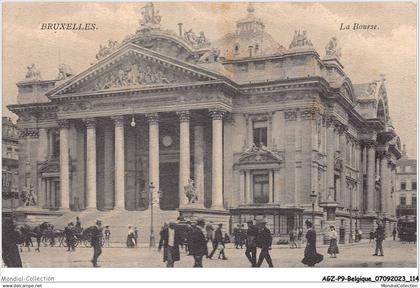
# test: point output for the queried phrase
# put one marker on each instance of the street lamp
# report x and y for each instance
(313, 198)
(152, 242)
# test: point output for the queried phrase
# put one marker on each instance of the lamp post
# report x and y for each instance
(152, 234)
(313, 198)
(356, 212)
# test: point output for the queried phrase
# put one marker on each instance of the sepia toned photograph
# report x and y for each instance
(209, 134)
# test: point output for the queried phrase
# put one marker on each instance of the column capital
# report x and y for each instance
(89, 122)
(341, 128)
(369, 144)
(216, 114)
(63, 123)
(308, 113)
(118, 120)
(184, 116)
(291, 114)
(29, 132)
(152, 118)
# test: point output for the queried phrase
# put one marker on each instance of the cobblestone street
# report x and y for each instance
(397, 254)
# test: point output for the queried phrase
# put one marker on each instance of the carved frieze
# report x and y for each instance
(257, 154)
(29, 132)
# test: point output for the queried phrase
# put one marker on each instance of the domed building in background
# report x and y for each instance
(240, 129)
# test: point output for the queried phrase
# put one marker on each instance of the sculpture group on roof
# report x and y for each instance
(300, 40)
(33, 73)
(332, 50)
(197, 42)
(150, 15)
(106, 50)
(64, 72)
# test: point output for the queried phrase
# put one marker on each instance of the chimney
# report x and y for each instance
(180, 29)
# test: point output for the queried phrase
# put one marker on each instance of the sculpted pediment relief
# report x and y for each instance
(259, 155)
(136, 72)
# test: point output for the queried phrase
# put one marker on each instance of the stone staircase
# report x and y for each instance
(118, 221)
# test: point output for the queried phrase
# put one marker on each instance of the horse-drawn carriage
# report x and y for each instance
(407, 229)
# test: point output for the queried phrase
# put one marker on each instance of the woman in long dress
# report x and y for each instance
(131, 238)
(311, 257)
(333, 248)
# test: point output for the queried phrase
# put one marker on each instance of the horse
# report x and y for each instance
(29, 232)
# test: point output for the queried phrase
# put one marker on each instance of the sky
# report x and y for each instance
(389, 50)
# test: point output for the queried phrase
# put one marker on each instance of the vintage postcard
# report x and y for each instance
(210, 134)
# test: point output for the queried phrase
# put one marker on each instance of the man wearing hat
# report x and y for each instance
(380, 236)
(264, 241)
(70, 237)
(96, 241)
(251, 244)
(218, 243)
(198, 246)
(170, 240)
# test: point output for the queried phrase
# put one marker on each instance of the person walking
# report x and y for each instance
(136, 235)
(333, 248)
(380, 236)
(394, 233)
(96, 242)
(311, 257)
(251, 243)
(218, 243)
(78, 224)
(198, 246)
(236, 236)
(131, 238)
(292, 238)
(107, 233)
(170, 241)
(10, 239)
(70, 237)
(264, 241)
(299, 236)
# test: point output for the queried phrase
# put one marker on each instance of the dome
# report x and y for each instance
(249, 39)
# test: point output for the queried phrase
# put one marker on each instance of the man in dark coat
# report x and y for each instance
(10, 239)
(218, 241)
(251, 243)
(236, 236)
(70, 237)
(264, 241)
(170, 241)
(96, 241)
(380, 236)
(198, 246)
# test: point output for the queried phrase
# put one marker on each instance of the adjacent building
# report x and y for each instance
(406, 186)
(262, 129)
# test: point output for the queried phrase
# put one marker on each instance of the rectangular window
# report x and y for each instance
(403, 201)
(260, 133)
(261, 188)
(414, 185)
(403, 186)
(414, 201)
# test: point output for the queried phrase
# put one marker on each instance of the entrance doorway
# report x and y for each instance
(168, 182)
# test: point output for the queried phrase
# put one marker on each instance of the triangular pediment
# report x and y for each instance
(256, 155)
(132, 67)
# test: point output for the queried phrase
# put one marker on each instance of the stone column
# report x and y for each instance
(384, 184)
(153, 119)
(343, 150)
(90, 162)
(184, 154)
(199, 161)
(50, 143)
(42, 156)
(108, 168)
(119, 163)
(64, 165)
(270, 186)
(331, 152)
(248, 192)
(217, 161)
(370, 147)
(250, 131)
(242, 187)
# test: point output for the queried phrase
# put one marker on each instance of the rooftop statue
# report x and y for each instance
(332, 50)
(197, 42)
(150, 16)
(300, 40)
(106, 50)
(33, 73)
(64, 72)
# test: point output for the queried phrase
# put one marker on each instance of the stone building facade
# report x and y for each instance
(9, 171)
(257, 126)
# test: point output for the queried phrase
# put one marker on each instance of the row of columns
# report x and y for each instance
(184, 161)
